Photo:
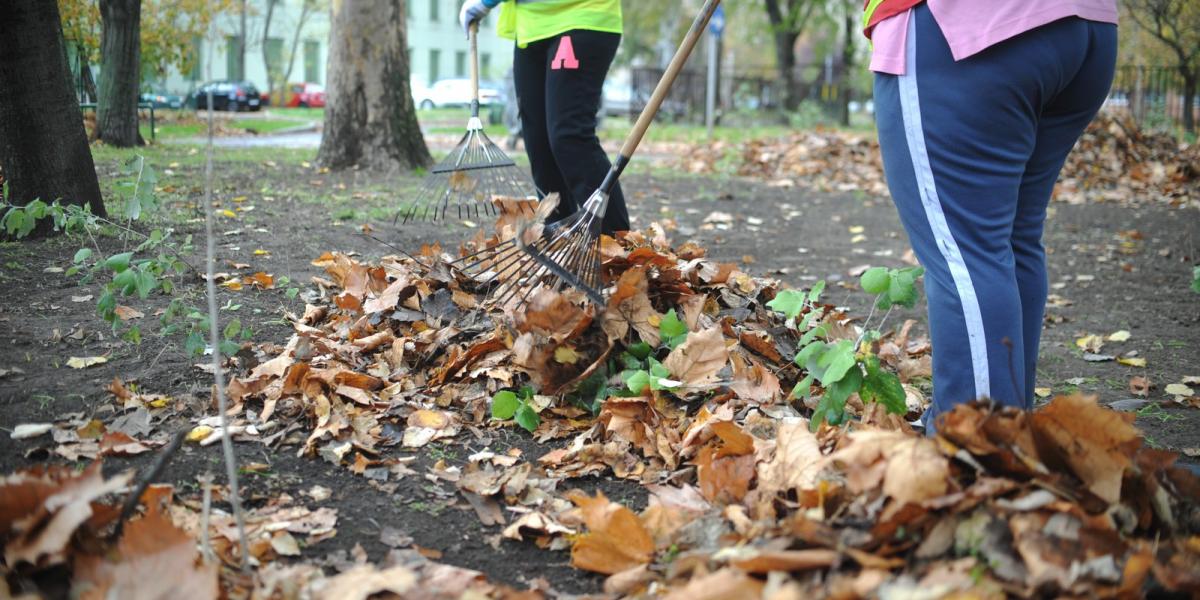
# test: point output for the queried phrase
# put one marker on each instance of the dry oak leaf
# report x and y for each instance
(616, 539)
(1093, 442)
(909, 469)
(698, 359)
(797, 460)
(155, 560)
(726, 584)
(64, 511)
(365, 581)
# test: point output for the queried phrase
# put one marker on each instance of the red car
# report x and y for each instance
(305, 95)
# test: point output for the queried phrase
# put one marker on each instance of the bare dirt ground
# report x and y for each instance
(1105, 279)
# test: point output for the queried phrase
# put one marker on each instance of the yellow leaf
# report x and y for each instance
(261, 252)
(240, 199)
(566, 355)
(1119, 336)
(228, 213)
(198, 433)
(78, 362)
(858, 238)
(856, 229)
(232, 284)
(1090, 343)
(1178, 389)
(1042, 392)
(1133, 362)
(160, 402)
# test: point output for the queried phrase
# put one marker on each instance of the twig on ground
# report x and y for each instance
(231, 471)
(131, 503)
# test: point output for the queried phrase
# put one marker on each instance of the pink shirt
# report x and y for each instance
(970, 26)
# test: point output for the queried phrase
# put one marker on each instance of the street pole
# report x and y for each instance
(710, 91)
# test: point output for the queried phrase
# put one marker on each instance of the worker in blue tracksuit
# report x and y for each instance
(978, 103)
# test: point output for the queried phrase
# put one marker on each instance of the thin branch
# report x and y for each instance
(131, 503)
(231, 472)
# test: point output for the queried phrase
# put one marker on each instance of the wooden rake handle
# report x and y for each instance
(473, 37)
(660, 93)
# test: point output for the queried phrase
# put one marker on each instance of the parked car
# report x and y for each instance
(161, 99)
(456, 92)
(228, 95)
(302, 95)
(617, 99)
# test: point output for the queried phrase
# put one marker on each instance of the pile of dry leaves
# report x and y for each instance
(1113, 161)
(746, 499)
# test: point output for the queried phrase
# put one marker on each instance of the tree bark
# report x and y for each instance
(1189, 99)
(43, 148)
(370, 122)
(848, 60)
(241, 57)
(120, 73)
(787, 23)
(272, 75)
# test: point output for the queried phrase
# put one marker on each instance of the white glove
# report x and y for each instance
(472, 11)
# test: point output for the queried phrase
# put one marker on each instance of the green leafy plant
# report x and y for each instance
(844, 367)
(518, 406)
(672, 330)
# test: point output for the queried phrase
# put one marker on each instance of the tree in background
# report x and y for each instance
(120, 73)
(788, 19)
(168, 31)
(44, 152)
(370, 121)
(1176, 24)
(279, 67)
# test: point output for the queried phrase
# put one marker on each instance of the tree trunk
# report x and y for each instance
(848, 61)
(785, 60)
(272, 74)
(241, 57)
(120, 72)
(43, 148)
(1189, 99)
(85, 73)
(370, 122)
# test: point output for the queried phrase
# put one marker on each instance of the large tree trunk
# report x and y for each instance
(241, 57)
(785, 61)
(43, 148)
(370, 122)
(272, 74)
(120, 72)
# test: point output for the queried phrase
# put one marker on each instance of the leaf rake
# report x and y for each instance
(566, 252)
(466, 183)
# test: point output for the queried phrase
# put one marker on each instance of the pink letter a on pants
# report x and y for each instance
(565, 57)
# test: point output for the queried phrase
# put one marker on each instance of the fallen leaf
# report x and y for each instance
(1119, 336)
(25, 431)
(615, 541)
(697, 360)
(1090, 343)
(1095, 443)
(1179, 389)
(153, 559)
(1136, 361)
(83, 362)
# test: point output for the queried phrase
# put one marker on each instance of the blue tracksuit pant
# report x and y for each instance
(971, 150)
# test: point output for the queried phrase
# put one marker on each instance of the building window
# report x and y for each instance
(485, 65)
(233, 50)
(435, 57)
(433, 10)
(460, 64)
(312, 61)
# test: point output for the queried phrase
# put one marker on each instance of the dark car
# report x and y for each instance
(161, 99)
(228, 95)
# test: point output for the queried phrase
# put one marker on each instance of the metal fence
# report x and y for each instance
(1152, 95)
(750, 90)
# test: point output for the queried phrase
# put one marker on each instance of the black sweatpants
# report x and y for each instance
(559, 83)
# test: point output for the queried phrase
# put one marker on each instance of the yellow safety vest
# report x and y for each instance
(528, 21)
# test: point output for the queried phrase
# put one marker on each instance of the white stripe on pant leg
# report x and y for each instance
(910, 110)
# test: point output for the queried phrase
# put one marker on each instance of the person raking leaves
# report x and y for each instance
(978, 103)
(562, 55)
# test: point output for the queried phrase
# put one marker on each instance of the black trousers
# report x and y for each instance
(559, 83)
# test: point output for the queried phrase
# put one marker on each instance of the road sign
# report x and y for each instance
(716, 24)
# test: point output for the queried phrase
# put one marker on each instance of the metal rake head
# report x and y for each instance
(465, 183)
(563, 252)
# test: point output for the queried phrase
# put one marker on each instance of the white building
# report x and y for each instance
(437, 46)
